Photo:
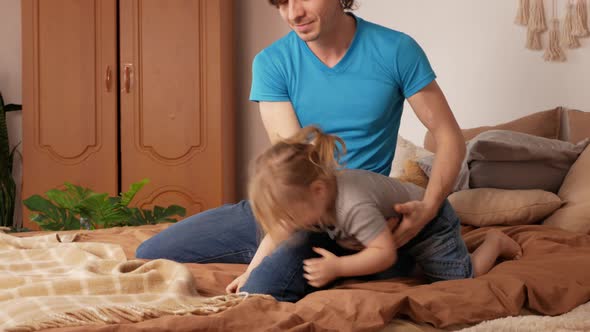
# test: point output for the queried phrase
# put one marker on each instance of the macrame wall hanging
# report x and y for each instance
(563, 33)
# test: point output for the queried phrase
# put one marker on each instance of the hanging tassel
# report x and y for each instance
(569, 39)
(580, 20)
(536, 25)
(522, 16)
(554, 52)
(533, 40)
(537, 16)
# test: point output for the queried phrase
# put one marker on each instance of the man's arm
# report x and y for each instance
(431, 107)
(279, 120)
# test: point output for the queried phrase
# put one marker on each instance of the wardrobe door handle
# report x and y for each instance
(127, 76)
(107, 78)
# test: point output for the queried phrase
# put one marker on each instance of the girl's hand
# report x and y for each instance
(321, 271)
(238, 282)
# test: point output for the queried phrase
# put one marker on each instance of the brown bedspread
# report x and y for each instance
(552, 278)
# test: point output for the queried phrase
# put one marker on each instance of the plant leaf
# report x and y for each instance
(127, 197)
(37, 203)
(101, 211)
(158, 215)
(49, 216)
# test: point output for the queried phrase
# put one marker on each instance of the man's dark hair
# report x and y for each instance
(346, 4)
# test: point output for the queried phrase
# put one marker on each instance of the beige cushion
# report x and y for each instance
(575, 191)
(577, 125)
(487, 207)
(404, 151)
(545, 124)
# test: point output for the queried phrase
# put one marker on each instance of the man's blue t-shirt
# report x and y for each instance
(360, 99)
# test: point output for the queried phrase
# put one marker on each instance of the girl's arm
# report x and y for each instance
(379, 255)
(266, 247)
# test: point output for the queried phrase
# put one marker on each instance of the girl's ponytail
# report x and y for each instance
(323, 149)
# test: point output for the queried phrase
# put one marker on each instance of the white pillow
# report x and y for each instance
(405, 150)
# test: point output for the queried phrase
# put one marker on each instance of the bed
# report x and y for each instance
(551, 279)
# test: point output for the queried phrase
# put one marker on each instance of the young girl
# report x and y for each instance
(332, 223)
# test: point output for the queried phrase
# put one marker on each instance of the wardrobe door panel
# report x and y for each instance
(176, 127)
(69, 95)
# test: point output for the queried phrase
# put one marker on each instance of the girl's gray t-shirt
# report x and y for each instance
(364, 202)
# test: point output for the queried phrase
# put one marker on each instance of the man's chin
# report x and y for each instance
(307, 37)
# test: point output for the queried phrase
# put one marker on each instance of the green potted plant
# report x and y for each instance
(7, 184)
(75, 207)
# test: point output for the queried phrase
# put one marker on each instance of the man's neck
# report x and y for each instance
(331, 47)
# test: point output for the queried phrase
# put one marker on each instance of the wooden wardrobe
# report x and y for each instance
(117, 91)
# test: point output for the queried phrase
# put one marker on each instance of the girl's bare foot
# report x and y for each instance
(508, 248)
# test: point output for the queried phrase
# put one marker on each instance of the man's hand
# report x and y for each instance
(392, 224)
(416, 215)
(321, 271)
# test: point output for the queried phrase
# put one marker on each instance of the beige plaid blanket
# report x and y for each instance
(51, 281)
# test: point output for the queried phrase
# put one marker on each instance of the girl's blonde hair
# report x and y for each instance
(284, 173)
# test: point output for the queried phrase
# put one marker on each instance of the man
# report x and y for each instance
(350, 77)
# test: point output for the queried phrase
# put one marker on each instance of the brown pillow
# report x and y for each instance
(488, 207)
(577, 125)
(506, 159)
(575, 191)
(506, 145)
(544, 124)
(516, 175)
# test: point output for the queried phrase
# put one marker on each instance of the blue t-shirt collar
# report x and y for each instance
(345, 61)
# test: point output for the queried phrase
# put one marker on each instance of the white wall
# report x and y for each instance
(10, 77)
(479, 56)
(258, 25)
